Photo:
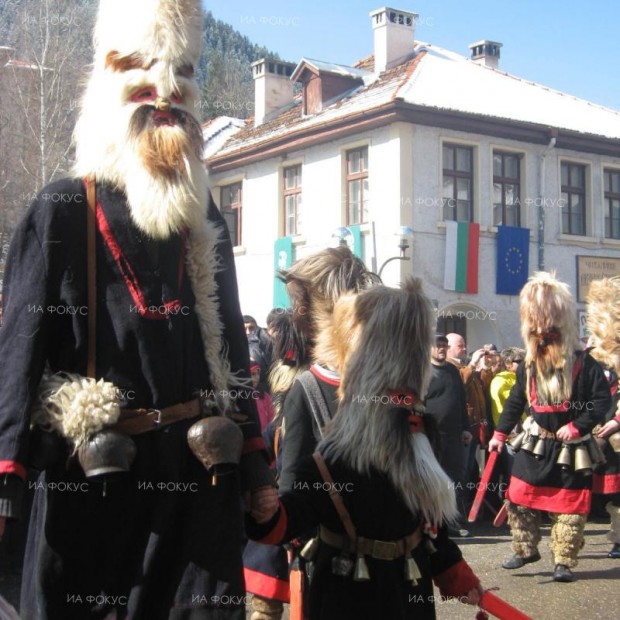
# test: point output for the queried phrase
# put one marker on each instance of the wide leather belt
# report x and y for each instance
(378, 549)
(137, 421)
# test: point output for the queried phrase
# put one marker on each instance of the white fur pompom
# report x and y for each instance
(77, 407)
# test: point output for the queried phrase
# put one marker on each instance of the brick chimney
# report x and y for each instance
(486, 53)
(394, 30)
(273, 88)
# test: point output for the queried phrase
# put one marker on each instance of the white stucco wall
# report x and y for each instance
(405, 189)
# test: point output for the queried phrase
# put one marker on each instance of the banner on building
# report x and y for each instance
(461, 269)
(284, 255)
(513, 251)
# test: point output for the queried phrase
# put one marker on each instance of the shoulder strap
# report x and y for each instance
(91, 270)
(336, 498)
(318, 406)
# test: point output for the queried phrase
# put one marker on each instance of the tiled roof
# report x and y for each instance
(437, 79)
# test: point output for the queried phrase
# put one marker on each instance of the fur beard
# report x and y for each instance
(603, 320)
(554, 372)
(376, 436)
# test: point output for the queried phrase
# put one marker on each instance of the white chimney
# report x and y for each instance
(273, 88)
(393, 36)
(486, 53)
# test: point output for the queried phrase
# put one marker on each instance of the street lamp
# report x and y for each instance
(405, 233)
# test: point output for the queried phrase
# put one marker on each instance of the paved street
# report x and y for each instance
(530, 589)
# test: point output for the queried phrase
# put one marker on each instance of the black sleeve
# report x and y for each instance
(298, 437)
(515, 404)
(254, 469)
(593, 397)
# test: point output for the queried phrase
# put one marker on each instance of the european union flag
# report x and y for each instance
(513, 250)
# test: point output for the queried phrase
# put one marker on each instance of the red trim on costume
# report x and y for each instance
(606, 484)
(131, 280)
(574, 431)
(252, 445)
(550, 499)
(266, 585)
(13, 467)
(276, 536)
(500, 436)
(458, 580)
(325, 375)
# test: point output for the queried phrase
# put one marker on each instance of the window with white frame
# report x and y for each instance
(506, 189)
(458, 182)
(292, 200)
(612, 203)
(357, 185)
(573, 198)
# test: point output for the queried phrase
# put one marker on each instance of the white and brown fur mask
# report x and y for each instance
(136, 128)
(603, 321)
(384, 337)
(549, 331)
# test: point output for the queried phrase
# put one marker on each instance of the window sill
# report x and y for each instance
(298, 240)
(579, 240)
(493, 230)
(483, 229)
(611, 243)
(239, 250)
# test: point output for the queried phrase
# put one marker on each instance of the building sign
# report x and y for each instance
(590, 268)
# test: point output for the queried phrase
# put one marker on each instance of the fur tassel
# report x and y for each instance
(603, 321)
(76, 407)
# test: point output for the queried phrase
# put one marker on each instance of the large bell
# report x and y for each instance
(582, 460)
(539, 449)
(361, 570)
(517, 441)
(106, 452)
(564, 458)
(614, 440)
(528, 443)
(309, 549)
(596, 454)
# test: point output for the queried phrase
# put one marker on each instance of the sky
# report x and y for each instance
(568, 45)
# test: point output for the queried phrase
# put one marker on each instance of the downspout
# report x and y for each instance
(541, 201)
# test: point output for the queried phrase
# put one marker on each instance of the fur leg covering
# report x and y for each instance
(525, 528)
(614, 512)
(567, 538)
(266, 608)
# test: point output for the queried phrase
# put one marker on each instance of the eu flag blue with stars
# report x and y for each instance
(513, 249)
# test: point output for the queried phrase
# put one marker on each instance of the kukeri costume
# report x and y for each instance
(381, 559)
(563, 389)
(603, 320)
(161, 541)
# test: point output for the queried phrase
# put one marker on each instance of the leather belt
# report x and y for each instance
(378, 549)
(545, 434)
(137, 421)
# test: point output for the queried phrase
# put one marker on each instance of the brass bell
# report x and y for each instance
(539, 448)
(529, 443)
(412, 572)
(564, 458)
(582, 460)
(595, 452)
(517, 441)
(309, 550)
(361, 570)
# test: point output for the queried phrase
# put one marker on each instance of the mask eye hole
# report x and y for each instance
(144, 94)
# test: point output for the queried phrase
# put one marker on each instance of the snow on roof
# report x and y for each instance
(217, 131)
(330, 67)
(436, 78)
(449, 81)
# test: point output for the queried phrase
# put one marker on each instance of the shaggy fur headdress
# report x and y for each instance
(385, 337)
(549, 330)
(314, 284)
(603, 321)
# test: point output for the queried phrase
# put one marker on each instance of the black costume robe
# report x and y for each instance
(379, 513)
(163, 542)
(539, 482)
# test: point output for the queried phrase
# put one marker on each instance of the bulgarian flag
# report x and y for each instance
(462, 242)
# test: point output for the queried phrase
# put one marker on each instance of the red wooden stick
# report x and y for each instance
(500, 608)
(482, 489)
(501, 515)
